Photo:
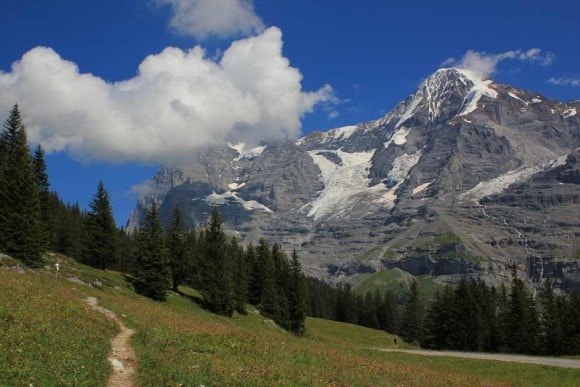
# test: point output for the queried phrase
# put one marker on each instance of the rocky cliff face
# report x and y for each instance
(463, 178)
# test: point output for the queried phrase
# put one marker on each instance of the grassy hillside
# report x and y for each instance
(50, 337)
(395, 280)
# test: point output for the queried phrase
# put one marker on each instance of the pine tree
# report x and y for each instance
(196, 249)
(101, 231)
(551, 338)
(368, 317)
(218, 290)
(521, 320)
(150, 270)
(570, 320)
(20, 230)
(281, 273)
(192, 256)
(466, 319)
(440, 320)
(265, 277)
(176, 249)
(412, 322)
(47, 224)
(502, 310)
(389, 313)
(241, 276)
(346, 306)
(296, 296)
(254, 282)
(70, 238)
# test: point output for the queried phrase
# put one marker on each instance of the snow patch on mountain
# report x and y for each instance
(516, 97)
(421, 188)
(410, 111)
(502, 182)
(479, 89)
(347, 185)
(247, 154)
(399, 137)
(227, 197)
(569, 113)
(341, 133)
(341, 182)
(402, 166)
(235, 186)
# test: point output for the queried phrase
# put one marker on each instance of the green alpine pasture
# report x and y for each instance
(49, 336)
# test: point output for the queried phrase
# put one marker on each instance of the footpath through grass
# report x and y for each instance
(62, 341)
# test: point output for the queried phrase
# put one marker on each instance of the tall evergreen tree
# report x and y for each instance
(281, 273)
(346, 306)
(265, 277)
(570, 315)
(466, 319)
(296, 296)
(551, 337)
(388, 314)
(368, 316)
(521, 320)
(176, 249)
(70, 227)
(502, 311)
(241, 276)
(47, 221)
(440, 320)
(412, 322)
(218, 290)
(150, 268)
(102, 235)
(20, 230)
(254, 280)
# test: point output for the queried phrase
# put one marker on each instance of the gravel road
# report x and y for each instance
(549, 361)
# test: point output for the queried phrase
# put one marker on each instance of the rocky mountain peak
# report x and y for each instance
(458, 179)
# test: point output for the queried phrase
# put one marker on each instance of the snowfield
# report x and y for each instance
(502, 182)
(229, 196)
(348, 184)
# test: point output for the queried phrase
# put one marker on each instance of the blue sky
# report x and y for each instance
(370, 53)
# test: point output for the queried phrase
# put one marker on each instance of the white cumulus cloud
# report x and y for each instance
(222, 18)
(179, 101)
(485, 64)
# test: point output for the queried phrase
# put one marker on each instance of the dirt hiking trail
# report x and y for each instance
(122, 356)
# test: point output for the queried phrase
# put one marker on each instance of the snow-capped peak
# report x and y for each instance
(243, 153)
(436, 92)
(479, 88)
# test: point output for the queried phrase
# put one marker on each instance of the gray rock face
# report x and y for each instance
(463, 178)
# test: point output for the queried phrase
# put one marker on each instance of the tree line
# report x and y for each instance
(469, 316)
(227, 275)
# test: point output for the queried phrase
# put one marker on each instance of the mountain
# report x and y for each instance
(463, 178)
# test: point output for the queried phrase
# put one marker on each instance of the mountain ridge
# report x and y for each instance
(382, 193)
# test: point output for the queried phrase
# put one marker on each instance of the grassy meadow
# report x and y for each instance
(49, 336)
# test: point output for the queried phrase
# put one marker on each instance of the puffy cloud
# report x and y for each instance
(222, 18)
(574, 82)
(179, 101)
(485, 64)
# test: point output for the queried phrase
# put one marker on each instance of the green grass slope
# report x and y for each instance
(48, 336)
